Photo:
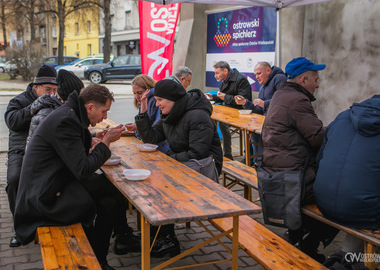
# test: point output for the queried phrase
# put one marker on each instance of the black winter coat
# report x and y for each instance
(41, 108)
(235, 84)
(18, 118)
(188, 128)
(56, 162)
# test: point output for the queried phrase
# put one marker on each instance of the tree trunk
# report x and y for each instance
(61, 23)
(107, 31)
(32, 25)
(3, 25)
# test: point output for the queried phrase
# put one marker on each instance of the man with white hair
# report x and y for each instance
(182, 76)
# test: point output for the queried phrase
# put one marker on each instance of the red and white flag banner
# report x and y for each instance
(157, 31)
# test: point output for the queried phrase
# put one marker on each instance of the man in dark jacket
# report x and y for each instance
(270, 79)
(233, 83)
(347, 187)
(291, 132)
(58, 184)
(18, 118)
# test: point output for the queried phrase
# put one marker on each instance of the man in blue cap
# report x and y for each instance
(291, 132)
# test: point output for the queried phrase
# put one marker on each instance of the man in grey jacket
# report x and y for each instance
(18, 118)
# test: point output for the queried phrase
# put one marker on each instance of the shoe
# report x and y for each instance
(104, 265)
(167, 245)
(15, 241)
(127, 242)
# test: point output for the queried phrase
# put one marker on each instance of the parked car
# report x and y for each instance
(52, 61)
(78, 66)
(122, 67)
(10, 68)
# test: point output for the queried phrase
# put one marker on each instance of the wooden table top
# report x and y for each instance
(252, 122)
(173, 192)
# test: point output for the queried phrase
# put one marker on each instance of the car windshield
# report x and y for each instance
(76, 61)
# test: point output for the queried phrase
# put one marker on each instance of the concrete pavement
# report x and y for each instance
(29, 257)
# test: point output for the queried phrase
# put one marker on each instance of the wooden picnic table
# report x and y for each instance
(173, 193)
(250, 123)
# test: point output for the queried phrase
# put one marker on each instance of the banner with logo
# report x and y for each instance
(157, 31)
(243, 38)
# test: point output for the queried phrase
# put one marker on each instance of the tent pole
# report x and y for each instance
(279, 39)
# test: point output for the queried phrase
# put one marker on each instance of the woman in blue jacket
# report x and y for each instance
(143, 84)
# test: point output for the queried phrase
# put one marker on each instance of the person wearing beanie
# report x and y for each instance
(187, 126)
(18, 118)
(44, 105)
(67, 83)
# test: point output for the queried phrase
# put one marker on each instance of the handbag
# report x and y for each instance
(204, 166)
(281, 194)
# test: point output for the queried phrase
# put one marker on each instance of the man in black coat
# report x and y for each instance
(233, 83)
(18, 118)
(58, 184)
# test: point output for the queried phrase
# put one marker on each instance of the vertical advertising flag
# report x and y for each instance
(157, 31)
(243, 38)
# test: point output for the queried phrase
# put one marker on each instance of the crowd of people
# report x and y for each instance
(53, 159)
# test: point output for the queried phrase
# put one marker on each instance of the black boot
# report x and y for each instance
(15, 241)
(167, 245)
(127, 242)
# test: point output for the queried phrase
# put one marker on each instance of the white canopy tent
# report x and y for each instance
(278, 4)
(263, 3)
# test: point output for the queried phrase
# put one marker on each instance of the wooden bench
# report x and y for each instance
(241, 174)
(265, 247)
(371, 238)
(66, 247)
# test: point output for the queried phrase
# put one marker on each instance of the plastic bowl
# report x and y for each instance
(136, 174)
(147, 147)
(245, 111)
(113, 160)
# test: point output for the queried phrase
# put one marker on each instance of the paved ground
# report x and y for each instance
(29, 257)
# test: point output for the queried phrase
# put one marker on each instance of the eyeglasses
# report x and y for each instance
(48, 89)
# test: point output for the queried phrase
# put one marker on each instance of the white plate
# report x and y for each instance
(212, 102)
(113, 160)
(136, 174)
(245, 111)
(147, 147)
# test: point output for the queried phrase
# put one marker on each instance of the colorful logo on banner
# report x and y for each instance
(242, 38)
(157, 31)
(221, 40)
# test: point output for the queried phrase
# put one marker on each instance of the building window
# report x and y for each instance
(77, 28)
(89, 49)
(127, 19)
(43, 35)
(54, 31)
(89, 27)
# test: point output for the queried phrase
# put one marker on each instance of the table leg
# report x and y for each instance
(247, 147)
(145, 243)
(235, 243)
